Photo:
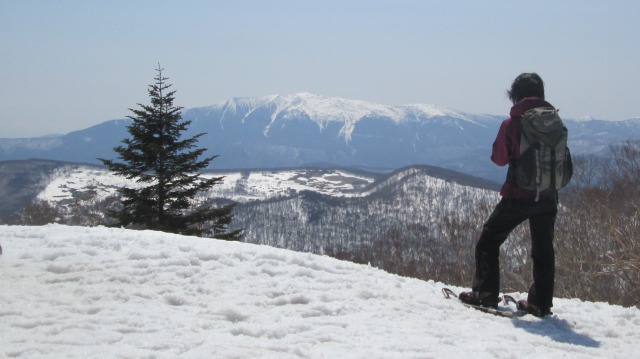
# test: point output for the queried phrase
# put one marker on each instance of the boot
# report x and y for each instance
(533, 309)
(484, 299)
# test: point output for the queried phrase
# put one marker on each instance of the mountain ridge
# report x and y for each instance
(296, 130)
(322, 110)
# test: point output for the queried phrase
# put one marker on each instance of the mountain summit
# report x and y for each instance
(306, 128)
(323, 110)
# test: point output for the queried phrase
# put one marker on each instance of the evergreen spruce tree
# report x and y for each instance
(168, 169)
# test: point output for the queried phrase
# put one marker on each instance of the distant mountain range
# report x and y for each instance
(309, 129)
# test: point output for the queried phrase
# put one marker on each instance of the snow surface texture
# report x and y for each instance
(79, 292)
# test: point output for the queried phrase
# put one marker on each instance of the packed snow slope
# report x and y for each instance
(77, 292)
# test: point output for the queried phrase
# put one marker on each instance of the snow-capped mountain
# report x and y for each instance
(294, 130)
(326, 110)
(304, 128)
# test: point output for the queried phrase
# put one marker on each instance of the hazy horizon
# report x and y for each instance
(72, 64)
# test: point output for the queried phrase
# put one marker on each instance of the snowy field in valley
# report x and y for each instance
(76, 292)
(240, 186)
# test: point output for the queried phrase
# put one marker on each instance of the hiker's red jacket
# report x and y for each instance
(506, 147)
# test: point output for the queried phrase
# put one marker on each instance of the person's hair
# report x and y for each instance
(526, 85)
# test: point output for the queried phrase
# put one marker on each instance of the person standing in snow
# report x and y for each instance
(516, 206)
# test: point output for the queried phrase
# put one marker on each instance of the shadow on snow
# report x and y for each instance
(558, 330)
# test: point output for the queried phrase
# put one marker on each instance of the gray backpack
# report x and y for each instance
(545, 160)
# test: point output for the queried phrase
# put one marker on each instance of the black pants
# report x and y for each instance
(505, 217)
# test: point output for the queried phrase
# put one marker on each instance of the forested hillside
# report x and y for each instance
(420, 221)
(403, 224)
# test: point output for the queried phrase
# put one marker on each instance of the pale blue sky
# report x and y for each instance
(66, 65)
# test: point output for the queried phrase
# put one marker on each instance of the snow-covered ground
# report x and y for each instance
(76, 292)
(237, 186)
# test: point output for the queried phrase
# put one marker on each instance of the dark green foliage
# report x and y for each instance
(167, 167)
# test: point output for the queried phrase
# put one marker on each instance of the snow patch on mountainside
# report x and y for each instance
(241, 186)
